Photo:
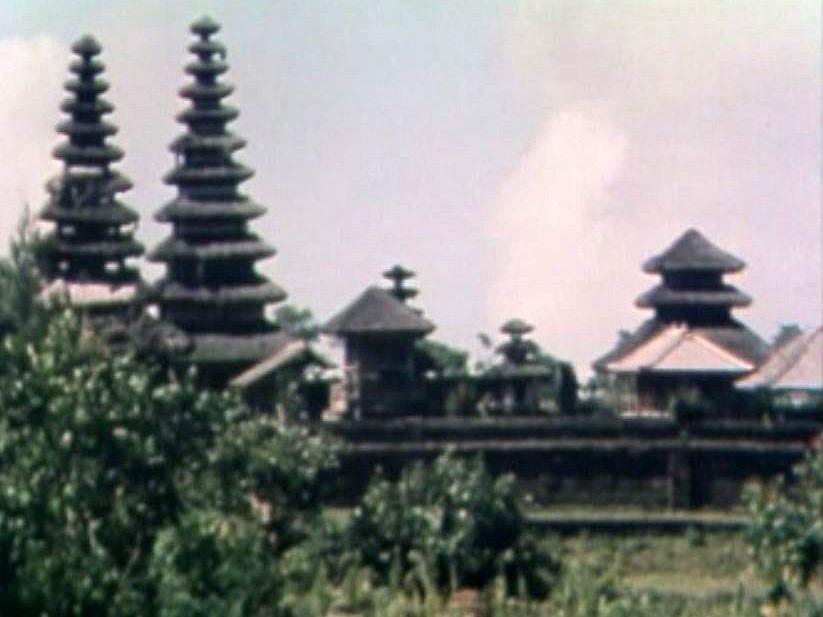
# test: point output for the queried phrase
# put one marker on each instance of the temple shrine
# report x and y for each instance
(87, 255)
(211, 290)
(693, 345)
(379, 332)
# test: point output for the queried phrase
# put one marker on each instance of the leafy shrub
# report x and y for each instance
(122, 489)
(786, 530)
(455, 517)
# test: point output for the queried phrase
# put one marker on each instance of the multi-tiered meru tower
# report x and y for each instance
(693, 344)
(211, 289)
(87, 256)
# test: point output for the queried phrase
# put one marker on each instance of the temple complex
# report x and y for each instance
(211, 290)
(379, 333)
(692, 345)
(87, 255)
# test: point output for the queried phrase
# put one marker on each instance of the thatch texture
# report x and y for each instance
(87, 253)
(211, 290)
(678, 349)
(797, 364)
(377, 311)
(733, 338)
(723, 295)
(692, 251)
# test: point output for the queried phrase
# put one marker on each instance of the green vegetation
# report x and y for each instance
(125, 490)
(466, 527)
(129, 492)
(786, 533)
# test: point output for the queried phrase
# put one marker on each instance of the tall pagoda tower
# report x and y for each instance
(87, 255)
(693, 342)
(211, 290)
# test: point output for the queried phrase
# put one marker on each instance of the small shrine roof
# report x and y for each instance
(285, 350)
(733, 337)
(377, 311)
(797, 364)
(677, 348)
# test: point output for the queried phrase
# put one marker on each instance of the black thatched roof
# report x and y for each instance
(722, 295)
(692, 251)
(212, 251)
(220, 349)
(377, 311)
(93, 239)
(734, 337)
(258, 291)
(516, 328)
(286, 350)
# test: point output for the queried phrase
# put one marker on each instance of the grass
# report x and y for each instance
(688, 564)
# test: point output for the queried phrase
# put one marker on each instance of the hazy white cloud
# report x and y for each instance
(550, 220)
(31, 70)
(523, 156)
(709, 118)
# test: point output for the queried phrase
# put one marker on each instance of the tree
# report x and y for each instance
(297, 321)
(20, 280)
(468, 526)
(786, 530)
(126, 491)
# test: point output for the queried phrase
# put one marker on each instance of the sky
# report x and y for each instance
(524, 157)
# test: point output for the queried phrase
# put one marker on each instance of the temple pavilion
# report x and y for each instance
(517, 383)
(692, 345)
(211, 290)
(379, 332)
(87, 256)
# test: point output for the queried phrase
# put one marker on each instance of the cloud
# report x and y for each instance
(659, 117)
(550, 219)
(31, 70)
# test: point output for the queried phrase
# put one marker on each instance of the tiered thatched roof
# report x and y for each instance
(211, 289)
(692, 330)
(88, 252)
(692, 270)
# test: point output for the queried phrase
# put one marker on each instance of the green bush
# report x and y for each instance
(468, 527)
(786, 530)
(124, 491)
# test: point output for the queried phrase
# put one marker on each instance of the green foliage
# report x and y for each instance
(443, 359)
(786, 530)
(298, 322)
(128, 492)
(212, 564)
(20, 281)
(467, 526)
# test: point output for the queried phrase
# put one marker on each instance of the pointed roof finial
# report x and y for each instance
(205, 27)
(398, 275)
(86, 46)
(516, 328)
